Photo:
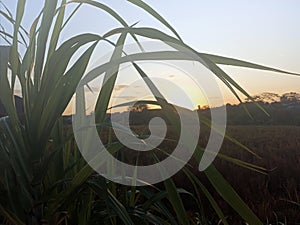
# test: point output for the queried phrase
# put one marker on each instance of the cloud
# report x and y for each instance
(120, 87)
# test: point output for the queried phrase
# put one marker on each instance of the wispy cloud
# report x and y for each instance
(120, 87)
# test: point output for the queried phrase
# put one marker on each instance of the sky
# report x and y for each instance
(265, 32)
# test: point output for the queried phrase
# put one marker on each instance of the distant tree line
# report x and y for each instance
(279, 110)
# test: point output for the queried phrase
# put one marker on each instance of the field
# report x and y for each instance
(45, 180)
(273, 197)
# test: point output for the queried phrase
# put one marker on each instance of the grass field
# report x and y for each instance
(45, 180)
(275, 196)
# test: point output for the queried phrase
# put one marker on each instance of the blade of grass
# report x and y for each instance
(109, 82)
(174, 197)
(240, 63)
(203, 119)
(71, 15)
(220, 184)
(55, 78)
(176, 201)
(156, 15)
(19, 159)
(10, 216)
(14, 57)
(61, 57)
(220, 73)
(57, 29)
(100, 188)
(109, 11)
(156, 34)
(42, 39)
(104, 8)
(230, 196)
(64, 92)
(156, 205)
(207, 194)
(79, 179)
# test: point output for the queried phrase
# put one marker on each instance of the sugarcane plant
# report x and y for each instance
(43, 177)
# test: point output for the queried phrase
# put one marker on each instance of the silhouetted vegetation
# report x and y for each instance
(279, 110)
(18, 104)
(273, 196)
(43, 177)
(282, 110)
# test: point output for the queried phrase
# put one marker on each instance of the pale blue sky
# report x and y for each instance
(265, 32)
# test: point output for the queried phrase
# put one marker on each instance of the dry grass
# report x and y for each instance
(267, 195)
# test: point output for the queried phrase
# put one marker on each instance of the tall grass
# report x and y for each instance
(44, 179)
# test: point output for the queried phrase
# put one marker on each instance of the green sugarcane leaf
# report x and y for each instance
(230, 196)
(240, 63)
(207, 194)
(109, 82)
(156, 15)
(57, 29)
(176, 201)
(59, 99)
(49, 9)
(11, 217)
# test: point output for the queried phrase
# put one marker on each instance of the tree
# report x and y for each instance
(266, 97)
(138, 107)
(46, 181)
(291, 97)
